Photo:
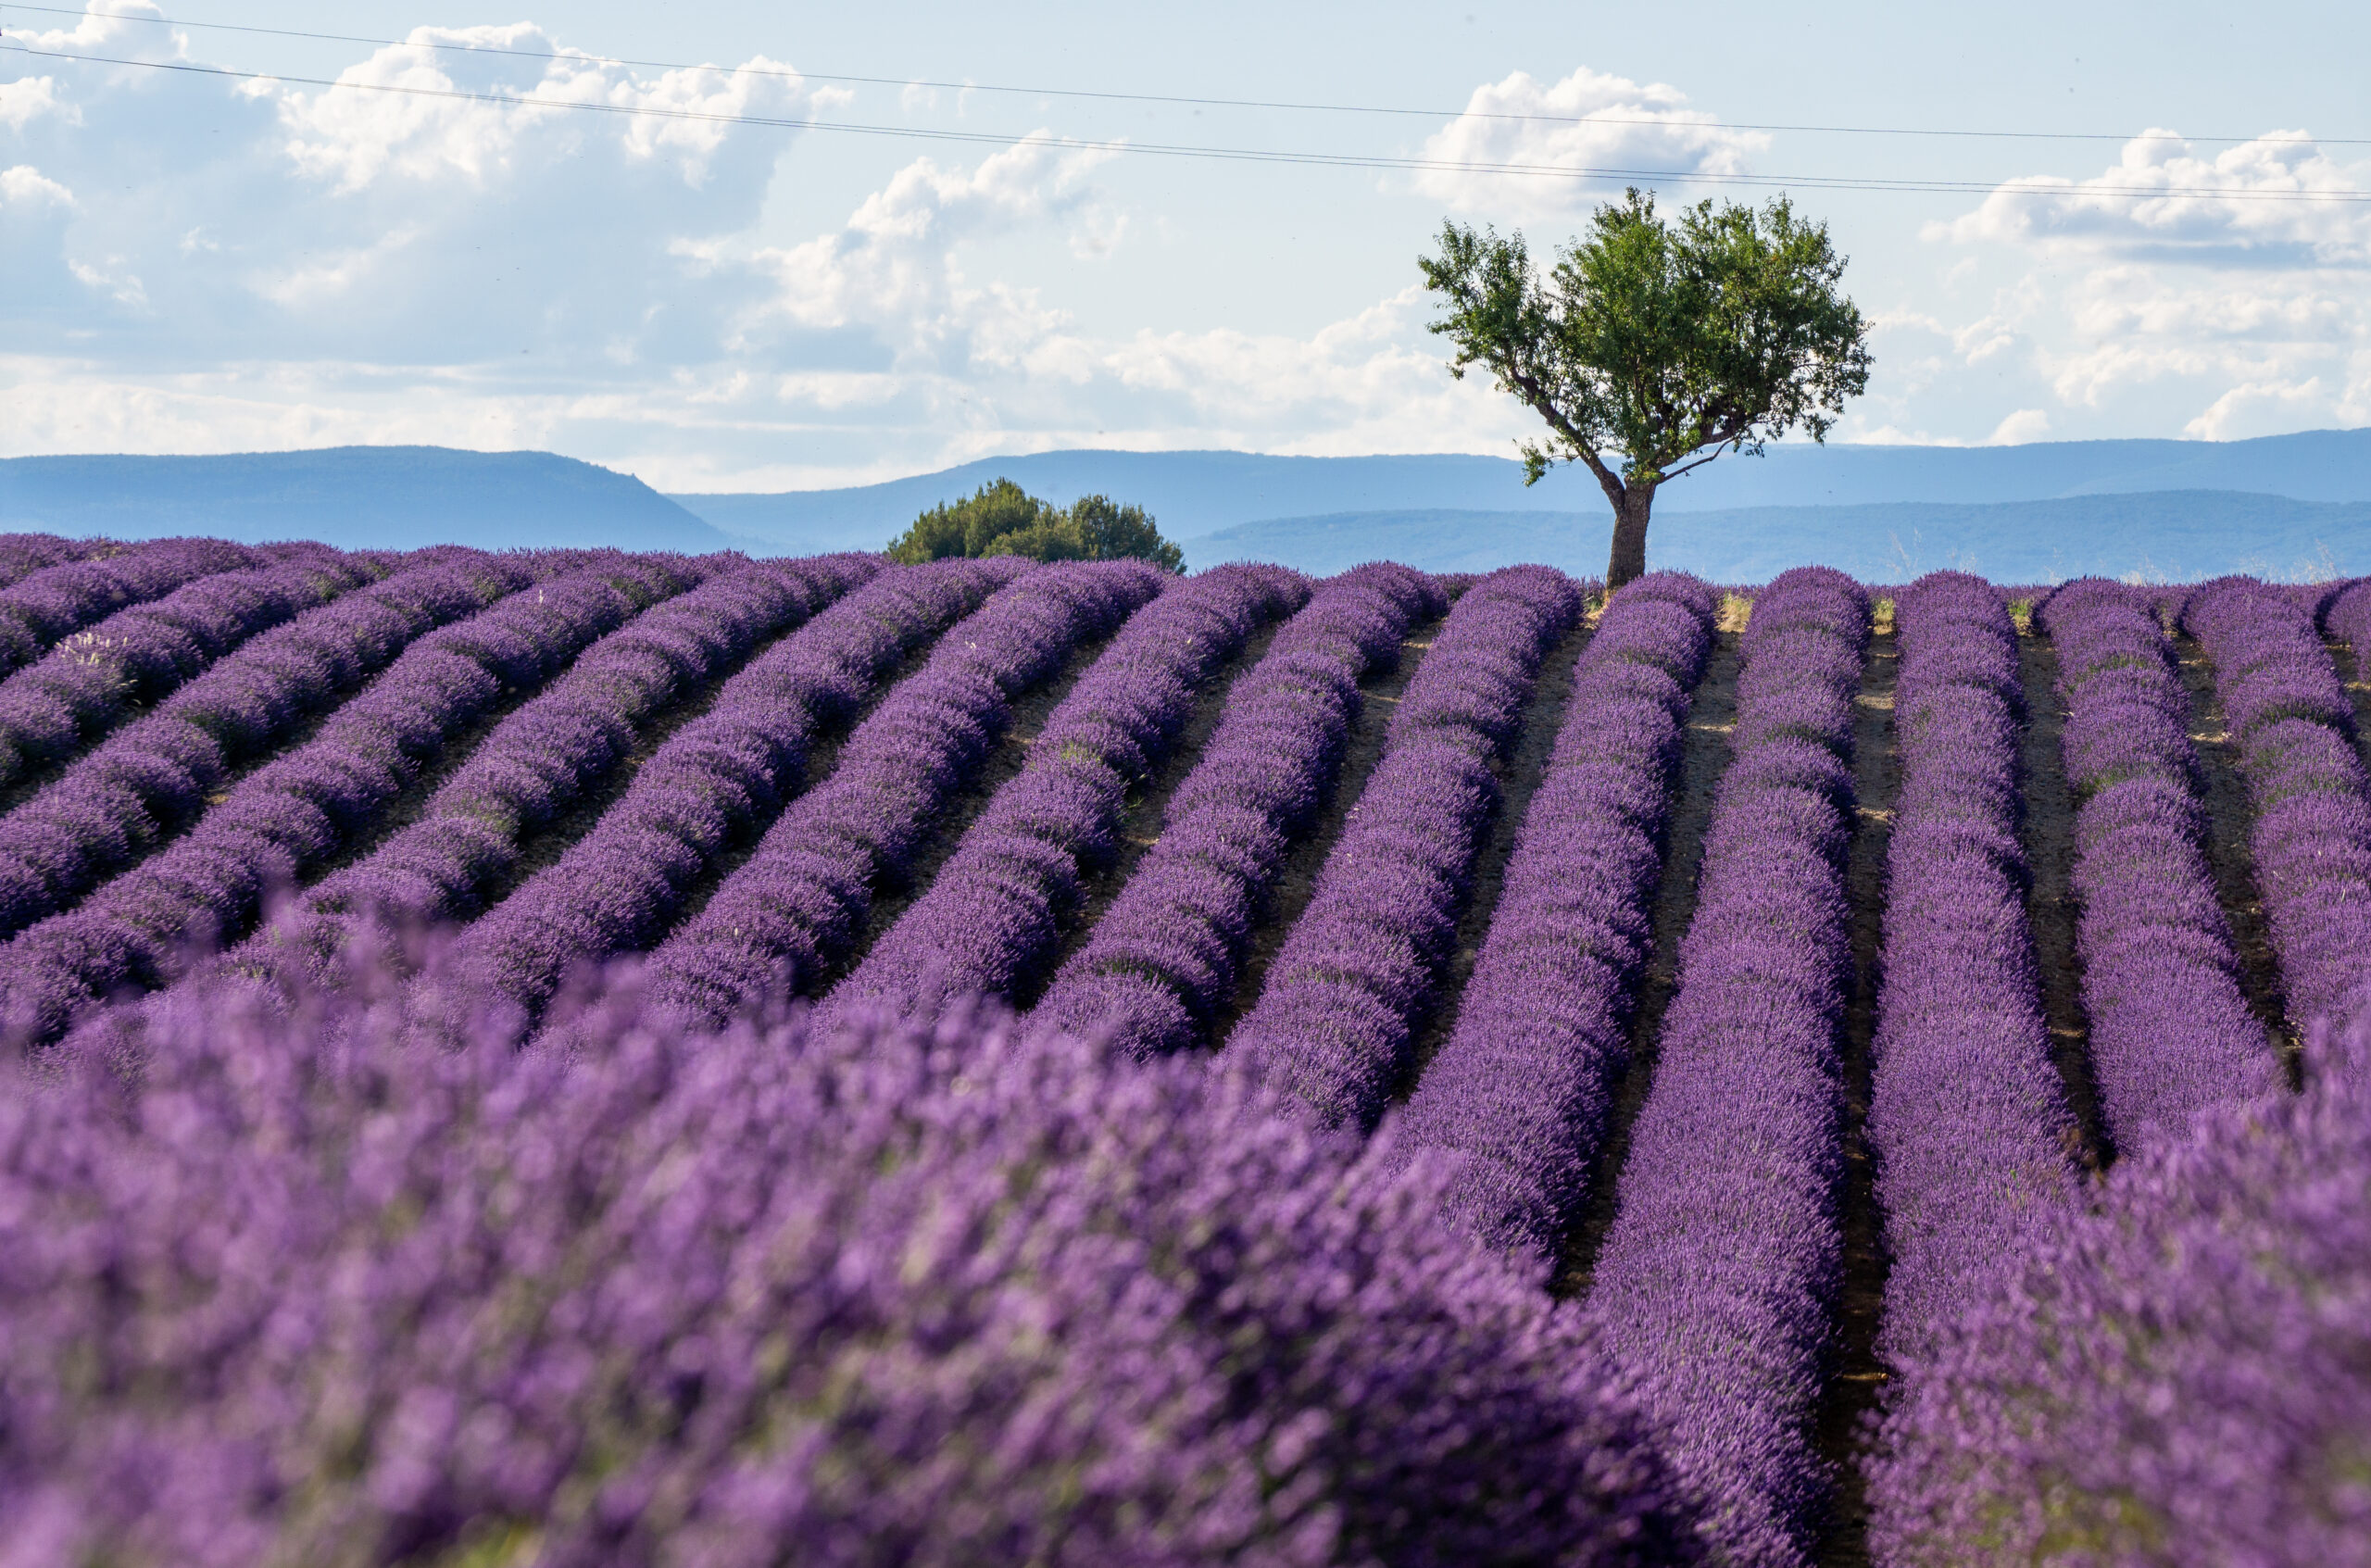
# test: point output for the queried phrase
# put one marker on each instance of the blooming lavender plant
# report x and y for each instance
(1967, 1119)
(153, 777)
(1718, 1277)
(797, 907)
(1164, 956)
(544, 757)
(1521, 1089)
(992, 915)
(288, 815)
(304, 1291)
(1356, 974)
(93, 679)
(21, 555)
(43, 606)
(2294, 731)
(2177, 1380)
(2170, 1031)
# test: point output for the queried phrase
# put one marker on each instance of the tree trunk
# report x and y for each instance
(1629, 536)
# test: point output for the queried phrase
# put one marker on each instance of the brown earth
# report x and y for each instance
(2048, 834)
(1858, 1374)
(2230, 819)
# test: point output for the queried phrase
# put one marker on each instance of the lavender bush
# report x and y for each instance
(93, 679)
(1521, 1089)
(153, 777)
(2179, 1379)
(1164, 956)
(287, 816)
(719, 779)
(2294, 730)
(21, 555)
(2170, 1031)
(305, 1291)
(1969, 1128)
(544, 757)
(796, 906)
(993, 913)
(1356, 973)
(43, 606)
(1718, 1277)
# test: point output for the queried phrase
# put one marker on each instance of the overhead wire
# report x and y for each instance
(1184, 99)
(1246, 155)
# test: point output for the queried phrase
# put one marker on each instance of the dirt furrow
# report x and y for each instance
(2230, 817)
(2049, 833)
(1379, 700)
(1857, 1375)
(1711, 716)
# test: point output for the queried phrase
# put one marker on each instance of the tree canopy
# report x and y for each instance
(1663, 344)
(1002, 518)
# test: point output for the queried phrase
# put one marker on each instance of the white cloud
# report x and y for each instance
(2239, 284)
(2026, 424)
(29, 97)
(2279, 193)
(391, 116)
(1636, 130)
(23, 186)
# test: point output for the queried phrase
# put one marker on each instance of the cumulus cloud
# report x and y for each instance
(27, 98)
(2239, 282)
(2278, 197)
(1636, 131)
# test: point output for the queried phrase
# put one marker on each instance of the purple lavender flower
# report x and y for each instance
(1717, 1280)
(2178, 1378)
(1521, 1089)
(287, 816)
(993, 913)
(794, 908)
(1970, 1131)
(1355, 975)
(93, 679)
(301, 1290)
(1166, 952)
(2169, 1029)
(2294, 729)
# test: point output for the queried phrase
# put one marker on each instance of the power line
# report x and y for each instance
(1239, 155)
(1183, 100)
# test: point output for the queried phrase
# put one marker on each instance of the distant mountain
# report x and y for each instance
(1196, 493)
(356, 498)
(2180, 535)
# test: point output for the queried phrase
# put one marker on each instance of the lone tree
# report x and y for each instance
(1663, 345)
(1004, 520)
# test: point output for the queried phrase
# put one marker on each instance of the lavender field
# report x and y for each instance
(583, 1057)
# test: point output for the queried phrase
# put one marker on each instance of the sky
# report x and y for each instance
(807, 246)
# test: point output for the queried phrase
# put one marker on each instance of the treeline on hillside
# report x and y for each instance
(1004, 520)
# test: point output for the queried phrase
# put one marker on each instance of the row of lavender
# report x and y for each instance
(1971, 1138)
(548, 755)
(293, 813)
(1718, 1277)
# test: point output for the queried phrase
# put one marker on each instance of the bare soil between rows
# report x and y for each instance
(1857, 1375)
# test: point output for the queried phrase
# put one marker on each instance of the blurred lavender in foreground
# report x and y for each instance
(2183, 1378)
(304, 1289)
